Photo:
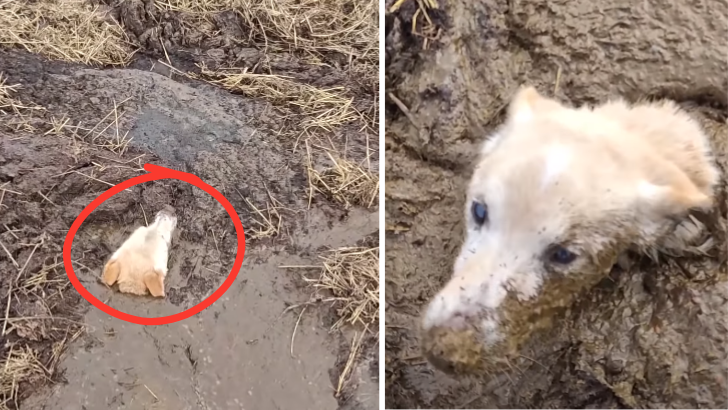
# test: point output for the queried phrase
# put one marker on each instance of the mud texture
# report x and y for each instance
(217, 43)
(236, 353)
(653, 336)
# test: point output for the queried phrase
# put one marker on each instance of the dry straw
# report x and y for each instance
(349, 279)
(322, 108)
(354, 353)
(344, 182)
(422, 24)
(69, 30)
(13, 113)
(308, 27)
(350, 28)
(22, 365)
(267, 221)
(312, 26)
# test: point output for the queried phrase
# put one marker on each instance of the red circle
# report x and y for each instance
(155, 172)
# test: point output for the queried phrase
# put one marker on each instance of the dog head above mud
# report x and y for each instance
(557, 195)
(140, 263)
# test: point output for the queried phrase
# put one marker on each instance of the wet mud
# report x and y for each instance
(653, 336)
(239, 352)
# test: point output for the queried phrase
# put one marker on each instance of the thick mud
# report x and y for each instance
(653, 336)
(238, 353)
(225, 41)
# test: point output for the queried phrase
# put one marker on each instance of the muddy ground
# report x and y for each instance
(239, 352)
(447, 85)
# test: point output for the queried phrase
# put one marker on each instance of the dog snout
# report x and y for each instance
(453, 350)
(465, 298)
(465, 341)
(167, 215)
(167, 212)
(446, 311)
(447, 340)
(461, 326)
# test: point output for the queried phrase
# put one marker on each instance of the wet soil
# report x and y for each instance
(224, 41)
(236, 353)
(653, 336)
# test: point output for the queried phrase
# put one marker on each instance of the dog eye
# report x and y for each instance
(562, 256)
(480, 212)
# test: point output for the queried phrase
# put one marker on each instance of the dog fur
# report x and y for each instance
(594, 181)
(140, 264)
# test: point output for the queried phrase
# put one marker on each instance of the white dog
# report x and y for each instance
(141, 261)
(557, 195)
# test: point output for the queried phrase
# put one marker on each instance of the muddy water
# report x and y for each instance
(580, 52)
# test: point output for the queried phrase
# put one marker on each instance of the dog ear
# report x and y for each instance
(672, 194)
(527, 102)
(111, 272)
(524, 105)
(154, 281)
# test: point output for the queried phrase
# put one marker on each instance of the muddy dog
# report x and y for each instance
(140, 264)
(558, 194)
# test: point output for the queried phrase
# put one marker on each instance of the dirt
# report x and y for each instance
(652, 336)
(239, 352)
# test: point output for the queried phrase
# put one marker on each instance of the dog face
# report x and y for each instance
(140, 264)
(556, 196)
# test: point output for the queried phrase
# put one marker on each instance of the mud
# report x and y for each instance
(235, 354)
(653, 336)
(172, 36)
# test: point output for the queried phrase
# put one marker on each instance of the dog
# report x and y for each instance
(558, 194)
(140, 264)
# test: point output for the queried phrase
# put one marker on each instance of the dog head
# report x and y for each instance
(140, 263)
(557, 194)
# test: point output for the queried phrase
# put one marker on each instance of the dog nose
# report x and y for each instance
(169, 209)
(453, 350)
(440, 362)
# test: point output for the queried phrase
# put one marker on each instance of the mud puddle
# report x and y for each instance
(235, 354)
